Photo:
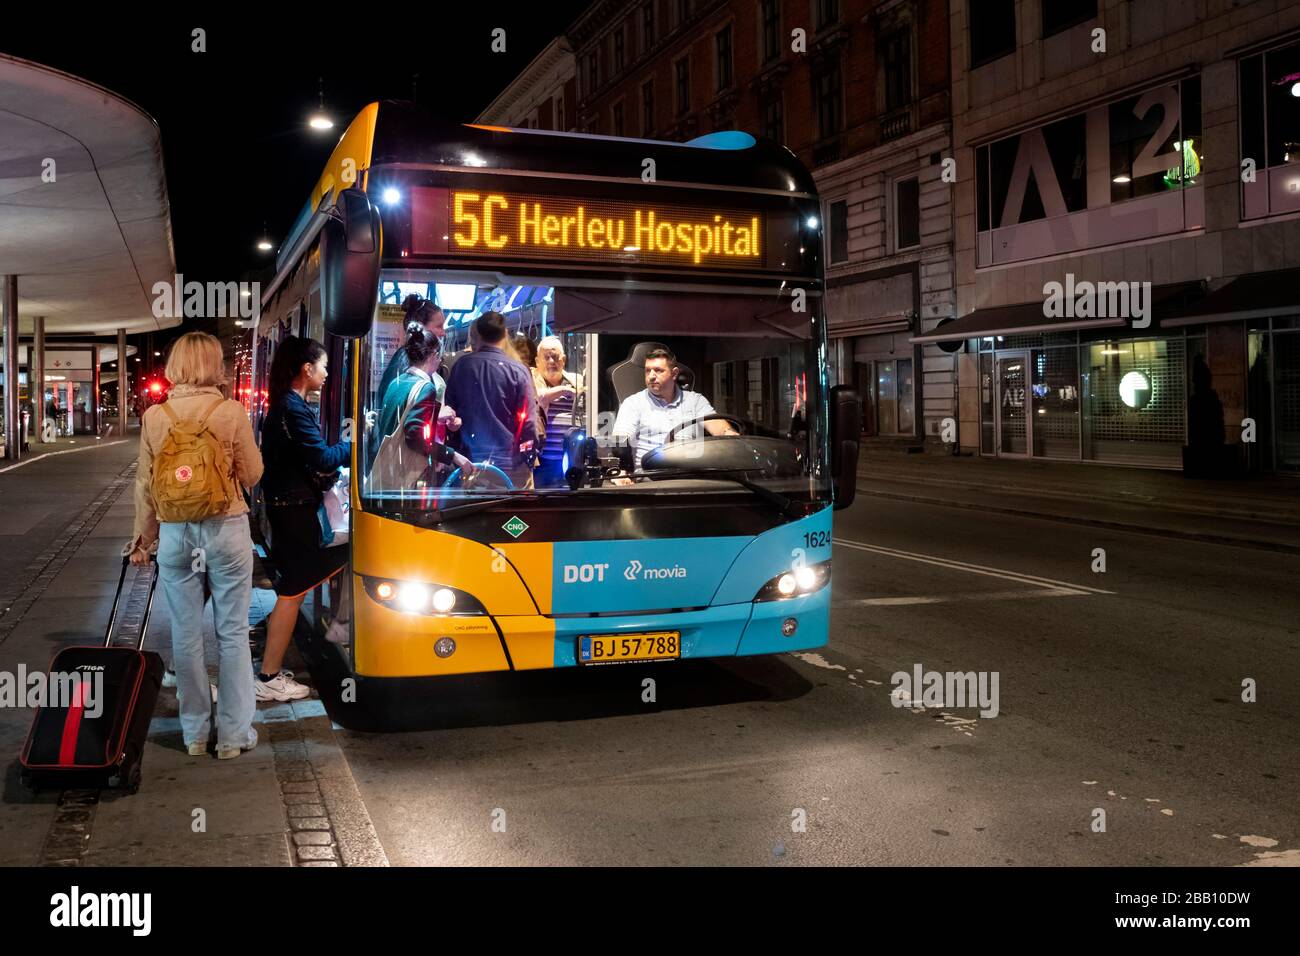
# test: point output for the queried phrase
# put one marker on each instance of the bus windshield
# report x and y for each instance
(594, 391)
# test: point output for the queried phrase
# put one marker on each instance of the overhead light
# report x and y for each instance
(1295, 89)
(812, 222)
(265, 245)
(1121, 178)
(1112, 351)
(243, 292)
(473, 159)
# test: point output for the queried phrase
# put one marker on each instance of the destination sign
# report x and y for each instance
(505, 225)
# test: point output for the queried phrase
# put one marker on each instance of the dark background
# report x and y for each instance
(236, 145)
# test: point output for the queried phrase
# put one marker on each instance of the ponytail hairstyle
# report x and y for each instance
(290, 356)
(420, 343)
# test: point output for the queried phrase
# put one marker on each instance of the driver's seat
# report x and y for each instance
(628, 376)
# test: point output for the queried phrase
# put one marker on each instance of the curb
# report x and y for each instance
(1205, 537)
(1226, 513)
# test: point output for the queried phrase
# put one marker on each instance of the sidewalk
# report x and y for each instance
(289, 801)
(1261, 513)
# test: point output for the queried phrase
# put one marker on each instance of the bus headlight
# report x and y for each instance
(418, 597)
(796, 582)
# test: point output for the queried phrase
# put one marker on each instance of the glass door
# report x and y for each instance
(1013, 416)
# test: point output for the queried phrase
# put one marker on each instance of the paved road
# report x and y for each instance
(1118, 690)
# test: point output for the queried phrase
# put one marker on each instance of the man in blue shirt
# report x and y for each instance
(493, 395)
(647, 417)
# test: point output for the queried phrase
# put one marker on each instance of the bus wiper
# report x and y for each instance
(785, 504)
(439, 515)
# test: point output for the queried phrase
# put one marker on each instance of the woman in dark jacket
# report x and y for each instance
(294, 454)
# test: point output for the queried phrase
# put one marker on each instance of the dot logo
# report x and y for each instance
(184, 473)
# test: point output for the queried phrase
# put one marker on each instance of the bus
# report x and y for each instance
(716, 542)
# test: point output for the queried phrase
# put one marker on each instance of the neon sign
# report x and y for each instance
(493, 223)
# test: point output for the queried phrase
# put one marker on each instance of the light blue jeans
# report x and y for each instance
(222, 550)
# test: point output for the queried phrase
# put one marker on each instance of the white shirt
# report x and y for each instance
(647, 420)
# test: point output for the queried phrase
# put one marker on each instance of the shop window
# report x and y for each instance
(907, 213)
(1055, 402)
(992, 30)
(986, 403)
(838, 225)
(1134, 398)
(1060, 15)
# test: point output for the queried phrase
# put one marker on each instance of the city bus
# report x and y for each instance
(714, 543)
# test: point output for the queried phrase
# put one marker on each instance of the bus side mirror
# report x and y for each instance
(349, 254)
(846, 429)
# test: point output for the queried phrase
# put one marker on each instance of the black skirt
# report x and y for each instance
(300, 561)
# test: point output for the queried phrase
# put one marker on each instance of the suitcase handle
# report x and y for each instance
(117, 598)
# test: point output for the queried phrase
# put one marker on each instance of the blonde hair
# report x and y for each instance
(196, 359)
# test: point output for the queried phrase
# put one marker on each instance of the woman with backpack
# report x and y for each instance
(195, 450)
(300, 467)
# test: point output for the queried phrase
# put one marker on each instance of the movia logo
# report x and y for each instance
(515, 526)
(636, 571)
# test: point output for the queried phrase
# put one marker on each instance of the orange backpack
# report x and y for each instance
(191, 477)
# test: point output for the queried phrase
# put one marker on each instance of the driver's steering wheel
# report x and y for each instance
(748, 427)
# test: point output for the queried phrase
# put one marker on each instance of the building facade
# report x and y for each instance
(858, 89)
(543, 96)
(1127, 231)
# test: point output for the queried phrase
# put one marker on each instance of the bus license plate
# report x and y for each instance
(621, 648)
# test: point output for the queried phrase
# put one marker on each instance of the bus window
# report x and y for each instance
(643, 392)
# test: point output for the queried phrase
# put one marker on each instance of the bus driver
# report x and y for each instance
(646, 417)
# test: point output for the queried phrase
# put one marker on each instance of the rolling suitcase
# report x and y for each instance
(94, 738)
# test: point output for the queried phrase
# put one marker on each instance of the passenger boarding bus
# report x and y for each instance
(705, 530)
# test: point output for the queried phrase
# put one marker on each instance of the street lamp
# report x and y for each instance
(320, 120)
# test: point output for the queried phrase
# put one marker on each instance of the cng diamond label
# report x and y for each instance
(515, 526)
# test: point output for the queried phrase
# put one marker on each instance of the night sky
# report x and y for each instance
(237, 148)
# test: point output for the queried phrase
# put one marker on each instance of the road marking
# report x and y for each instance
(66, 451)
(1049, 583)
(975, 596)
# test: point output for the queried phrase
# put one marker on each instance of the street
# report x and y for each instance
(1119, 690)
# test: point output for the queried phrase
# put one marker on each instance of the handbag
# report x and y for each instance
(319, 481)
(333, 513)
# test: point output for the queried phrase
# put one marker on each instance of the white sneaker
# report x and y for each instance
(169, 678)
(226, 753)
(281, 687)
